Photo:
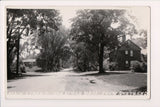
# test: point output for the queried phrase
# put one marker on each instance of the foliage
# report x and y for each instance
(24, 22)
(54, 49)
(84, 60)
(96, 29)
(137, 66)
(142, 40)
(113, 66)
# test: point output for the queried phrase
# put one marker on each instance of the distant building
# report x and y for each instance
(29, 62)
(124, 54)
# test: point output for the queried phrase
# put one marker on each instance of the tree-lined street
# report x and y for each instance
(92, 54)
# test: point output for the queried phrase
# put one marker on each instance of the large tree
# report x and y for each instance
(23, 22)
(100, 29)
(55, 49)
(84, 56)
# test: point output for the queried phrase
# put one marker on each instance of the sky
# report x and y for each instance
(67, 14)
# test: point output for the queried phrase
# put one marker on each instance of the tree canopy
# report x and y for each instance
(54, 49)
(23, 22)
(99, 29)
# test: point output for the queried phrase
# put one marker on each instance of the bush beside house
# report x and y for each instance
(137, 66)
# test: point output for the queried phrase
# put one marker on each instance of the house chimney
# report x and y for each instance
(123, 38)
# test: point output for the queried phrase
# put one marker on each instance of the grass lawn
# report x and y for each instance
(129, 79)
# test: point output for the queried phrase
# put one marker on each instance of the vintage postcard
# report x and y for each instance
(69, 52)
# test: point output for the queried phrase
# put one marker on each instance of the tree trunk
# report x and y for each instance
(9, 75)
(8, 61)
(77, 65)
(17, 68)
(101, 53)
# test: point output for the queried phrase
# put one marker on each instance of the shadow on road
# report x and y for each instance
(23, 76)
(100, 74)
(11, 87)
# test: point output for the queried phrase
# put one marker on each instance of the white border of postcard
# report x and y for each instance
(155, 15)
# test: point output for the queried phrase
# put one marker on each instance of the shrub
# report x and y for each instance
(106, 64)
(137, 66)
(144, 67)
(113, 66)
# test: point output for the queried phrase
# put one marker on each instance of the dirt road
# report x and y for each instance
(69, 81)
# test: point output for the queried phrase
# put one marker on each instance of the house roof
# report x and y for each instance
(129, 45)
(29, 60)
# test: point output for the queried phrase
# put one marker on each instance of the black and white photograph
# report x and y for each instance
(78, 52)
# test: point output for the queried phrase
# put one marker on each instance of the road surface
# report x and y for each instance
(69, 81)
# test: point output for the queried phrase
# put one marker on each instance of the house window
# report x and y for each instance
(126, 52)
(126, 62)
(131, 53)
